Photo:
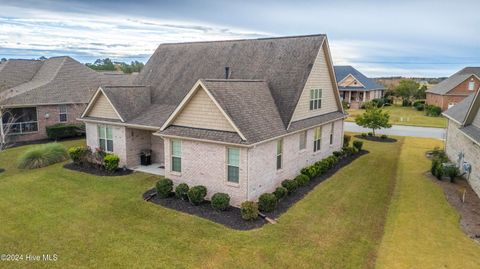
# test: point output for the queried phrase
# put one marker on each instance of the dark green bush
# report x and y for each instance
(346, 140)
(249, 210)
(280, 193)
(290, 185)
(370, 134)
(420, 107)
(302, 180)
(196, 195)
(220, 201)
(42, 155)
(358, 145)
(309, 171)
(347, 151)
(433, 111)
(78, 154)
(61, 130)
(267, 202)
(181, 191)
(452, 172)
(383, 136)
(164, 187)
(338, 154)
(110, 162)
(364, 135)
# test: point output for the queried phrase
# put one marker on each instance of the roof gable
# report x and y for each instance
(343, 71)
(283, 63)
(350, 81)
(454, 80)
(101, 107)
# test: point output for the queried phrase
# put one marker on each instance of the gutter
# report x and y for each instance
(134, 126)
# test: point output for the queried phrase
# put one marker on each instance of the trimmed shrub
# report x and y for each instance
(249, 210)
(347, 151)
(420, 107)
(110, 162)
(77, 154)
(358, 145)
(370, 134)
(220, 201)
(338, 154)
(346, 140)
(302, 180)
(280, 193)
(181, 191)
(452, 172)
(383, 136)
(267, 202)
(290, 185)
(309, 171)
(43, 155)
(164, 187)
(437, 169)
(433, 111)
(364, 135)
(196, 195)
(61, 130)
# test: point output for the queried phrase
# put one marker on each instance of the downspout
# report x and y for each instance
(248, 174)
(1, 128)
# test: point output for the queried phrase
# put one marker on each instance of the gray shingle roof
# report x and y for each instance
(283, 63)
(204, 134)
(16, 72)
(342, 71)
(459, 111)
(57, 80)
(129, 101)
(448, 84)
(472, 131)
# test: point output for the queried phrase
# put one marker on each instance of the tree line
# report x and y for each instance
(108, 65)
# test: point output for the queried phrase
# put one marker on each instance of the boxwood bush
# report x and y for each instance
(220, 201)
(42, 155)
(290, 185)
(181, 191)
(164, 187)
(358, 145)
(280, 193)
(196, 195)
(249, 210)
(77, 154)
(61, 130)
(267, 202)
(302, 180)
(110, 162)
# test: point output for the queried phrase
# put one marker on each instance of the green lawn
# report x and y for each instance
(97, 222)
(404, 116)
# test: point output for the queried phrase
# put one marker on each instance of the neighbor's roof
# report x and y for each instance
(448, 84)
(58, 80)
(459, 111)
(342, 71)
(283, 63)
(16, 72)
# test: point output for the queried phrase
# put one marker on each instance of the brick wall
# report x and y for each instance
(456, 143)
(53, 111)
(454, 96)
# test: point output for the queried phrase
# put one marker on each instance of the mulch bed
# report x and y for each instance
(93, 170)
(377, 139)
(468, 210)
(232, 217)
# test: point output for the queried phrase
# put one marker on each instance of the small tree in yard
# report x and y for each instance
(374, 118)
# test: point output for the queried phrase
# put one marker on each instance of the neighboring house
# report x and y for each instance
(463, 138)
(235, 116)
(455, 88)
(355, 88)
(38, 93)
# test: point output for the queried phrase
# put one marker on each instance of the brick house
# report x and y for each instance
(455, 88)
(463, 138)
(235, 116)
(37, 93)
(355, 88)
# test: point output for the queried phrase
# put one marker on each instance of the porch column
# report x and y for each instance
(364, 94)
(1, 129)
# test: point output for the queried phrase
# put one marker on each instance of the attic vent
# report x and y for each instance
(227, 72)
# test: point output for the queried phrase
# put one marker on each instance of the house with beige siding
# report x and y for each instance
(463, 138)
(355, 88)
(235, 116)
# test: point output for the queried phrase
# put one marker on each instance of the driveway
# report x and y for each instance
(400, 130)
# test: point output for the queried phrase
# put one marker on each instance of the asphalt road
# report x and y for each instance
(400, 130)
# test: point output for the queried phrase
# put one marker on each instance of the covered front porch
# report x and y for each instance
(144, 151)
(154, 169)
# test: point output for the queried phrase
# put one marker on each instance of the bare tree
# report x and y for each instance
(6, 128)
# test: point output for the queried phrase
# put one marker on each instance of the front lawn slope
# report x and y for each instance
(422, 229)
(102, 222)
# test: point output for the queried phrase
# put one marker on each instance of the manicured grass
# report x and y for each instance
(422, 229)
(98, 222)
(404, 116)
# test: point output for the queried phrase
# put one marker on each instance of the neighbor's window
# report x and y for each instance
(176, 155)
(279, 153)
(471, 85)
(105, 138)
(20, 120)
(303, 140)
(63, 113)
(233, 164)
(331, 134)
(317, 139)
(315, 99)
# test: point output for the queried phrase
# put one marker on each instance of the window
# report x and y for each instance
(279, 153)
(233, 165)
(62, 113)
(471, 85)
(176, 155)
(315, 99)
(20, 120)
(331, 134)
(303, 140)
(317, 139)
(105, 138)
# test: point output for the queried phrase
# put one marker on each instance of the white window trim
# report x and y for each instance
(315, 103)
(105, 138)
(302, 136)
(471, 85)
(332, 133)
(315, 140)
(232, 183)
(277, 154)
(172, 155)
(60, 113)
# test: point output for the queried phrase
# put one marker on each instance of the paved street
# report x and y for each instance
(401, 130)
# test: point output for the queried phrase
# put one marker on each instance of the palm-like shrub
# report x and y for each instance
(43, 155)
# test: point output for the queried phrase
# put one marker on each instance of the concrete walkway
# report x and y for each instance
(400, 130)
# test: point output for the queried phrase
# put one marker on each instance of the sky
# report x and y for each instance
(378, 37)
